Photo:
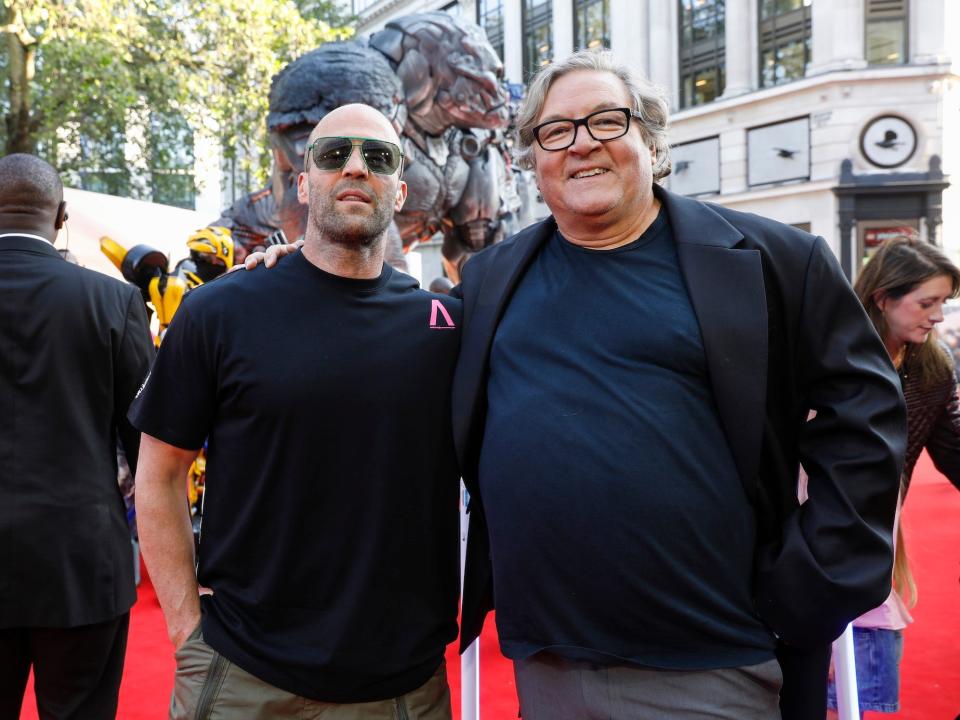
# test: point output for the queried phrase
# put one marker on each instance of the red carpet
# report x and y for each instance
(931, 662)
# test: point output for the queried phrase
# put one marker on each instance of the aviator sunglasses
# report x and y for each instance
(332, 153)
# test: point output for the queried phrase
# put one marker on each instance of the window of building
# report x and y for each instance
(785, 32)
(538, 35)
(171, 161)
(104, 167)
(886, 32)
(591, 24)
(702, 77)
(490, 18)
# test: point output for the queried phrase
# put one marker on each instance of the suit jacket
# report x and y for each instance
(74, 348)
(783, 333)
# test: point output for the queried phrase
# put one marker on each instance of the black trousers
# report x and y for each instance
(76, 671)
(804, 692)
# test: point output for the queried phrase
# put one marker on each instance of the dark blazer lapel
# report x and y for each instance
(726, 289)
(502, 272)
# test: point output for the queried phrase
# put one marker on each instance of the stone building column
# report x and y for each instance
(562, 28)
(928, 25)
(661, 36)
(738, 48)
(838, 44)
(628, 32)
(513, 41)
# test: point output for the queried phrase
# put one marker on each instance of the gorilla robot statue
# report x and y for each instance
(440, 83)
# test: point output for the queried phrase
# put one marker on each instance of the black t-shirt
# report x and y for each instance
(619, 528)
(330, 519)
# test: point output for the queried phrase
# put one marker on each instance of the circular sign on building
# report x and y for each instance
(888, 141)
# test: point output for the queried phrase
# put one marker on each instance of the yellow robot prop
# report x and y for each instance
(146, 268)
(211, 255)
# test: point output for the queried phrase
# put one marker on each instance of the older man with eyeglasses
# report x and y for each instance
(630, 409)
(329, 538)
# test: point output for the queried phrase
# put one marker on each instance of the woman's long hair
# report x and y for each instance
(899, 266)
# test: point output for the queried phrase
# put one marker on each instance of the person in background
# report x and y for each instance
(903, 289)
(74, 348)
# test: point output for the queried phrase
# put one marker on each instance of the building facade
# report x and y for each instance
(839, 116)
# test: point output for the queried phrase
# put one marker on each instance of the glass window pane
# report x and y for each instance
(705, 86)
(109, 182)
(790, 61)
(596, 25)
(490, 18)
(701, 50)
(538, 48)
(174, 189)
(768, 68)
(885, 42)
(704, 19)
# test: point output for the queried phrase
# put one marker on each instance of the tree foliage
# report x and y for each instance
(328, 11)
(103, 84)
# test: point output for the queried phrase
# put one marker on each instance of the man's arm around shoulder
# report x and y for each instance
(166, 535)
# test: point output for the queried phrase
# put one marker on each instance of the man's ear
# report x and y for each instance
(401, 196)
(61, 215)
(303, 189)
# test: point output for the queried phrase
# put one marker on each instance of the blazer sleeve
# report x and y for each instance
(943, 444)
(132, 359)
(835, 558)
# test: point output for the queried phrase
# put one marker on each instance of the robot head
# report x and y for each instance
(334, 74)
(451, 74)
(211, 250)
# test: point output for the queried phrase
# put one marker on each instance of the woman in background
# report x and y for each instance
(903, 289)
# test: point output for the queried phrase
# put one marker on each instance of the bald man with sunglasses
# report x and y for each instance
(330, 518)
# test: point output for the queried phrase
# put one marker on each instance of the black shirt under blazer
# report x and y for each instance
(74, 348)
(783, 333)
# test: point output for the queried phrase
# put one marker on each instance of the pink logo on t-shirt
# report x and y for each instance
(437, 307)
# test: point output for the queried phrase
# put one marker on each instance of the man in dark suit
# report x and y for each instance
(74, 348)
(630, 411)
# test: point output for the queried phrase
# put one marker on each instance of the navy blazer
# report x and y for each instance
(784, 334)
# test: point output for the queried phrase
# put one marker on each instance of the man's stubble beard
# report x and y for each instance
(352, 230)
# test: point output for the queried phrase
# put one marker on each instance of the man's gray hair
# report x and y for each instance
(648, 101)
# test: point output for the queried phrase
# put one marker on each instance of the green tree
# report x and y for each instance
(327, 11)
(241, 45)
(87, 80)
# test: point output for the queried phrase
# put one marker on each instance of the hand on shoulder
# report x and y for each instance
(269, 257)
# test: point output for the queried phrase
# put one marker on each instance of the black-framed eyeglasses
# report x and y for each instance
(332, 153)
(603, 125)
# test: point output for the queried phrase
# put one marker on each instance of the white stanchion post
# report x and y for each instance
(470, 682)
(470, 660)
(845, 676)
